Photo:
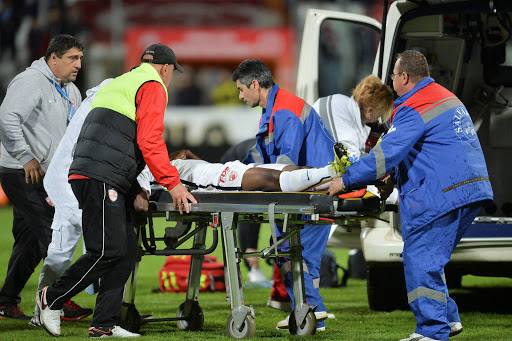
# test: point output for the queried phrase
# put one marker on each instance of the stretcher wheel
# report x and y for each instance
(194, 321)
(307, 327)
(130, 318)
(248, 328)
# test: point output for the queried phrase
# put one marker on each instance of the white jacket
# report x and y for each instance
(56, 179)
(342, 116)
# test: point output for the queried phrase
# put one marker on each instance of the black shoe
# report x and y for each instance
(73, 312)
(12, 312)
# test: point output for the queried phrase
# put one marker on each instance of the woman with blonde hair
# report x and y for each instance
(347, 117)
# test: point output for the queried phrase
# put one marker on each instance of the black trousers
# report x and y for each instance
(31, 228)
(248, 234)
(111, 252)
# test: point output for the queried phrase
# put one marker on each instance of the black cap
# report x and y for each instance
(162, 54)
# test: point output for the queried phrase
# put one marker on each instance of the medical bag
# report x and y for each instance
(173, 276)
(329, 271)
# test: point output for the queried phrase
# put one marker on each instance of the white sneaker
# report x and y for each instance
(50, 319)
(456, 328)
(115, 331)
(285, 306)
(256, 275)
(35, 321)
(283, 324)
(418, 337)
(320, 316)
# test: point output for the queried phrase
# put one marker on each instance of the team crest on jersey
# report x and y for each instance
(112, 194)
(464, 128)
(233, 175)
(224, 174)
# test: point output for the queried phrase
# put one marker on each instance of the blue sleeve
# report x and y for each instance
(248, 158)
(288, 137)
(407, 129)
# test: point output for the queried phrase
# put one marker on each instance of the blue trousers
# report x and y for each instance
(425, 255)
(313, 240)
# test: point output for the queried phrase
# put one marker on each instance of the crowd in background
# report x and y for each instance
(26, 27)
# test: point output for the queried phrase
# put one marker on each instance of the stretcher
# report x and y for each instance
(222, 211)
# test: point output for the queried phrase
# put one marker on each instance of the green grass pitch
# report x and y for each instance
(485, 306)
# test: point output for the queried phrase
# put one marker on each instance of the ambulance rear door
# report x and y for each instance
(338, 49)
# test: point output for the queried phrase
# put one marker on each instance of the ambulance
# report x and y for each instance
(468, 45)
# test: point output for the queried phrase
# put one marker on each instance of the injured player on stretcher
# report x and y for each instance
(234, 175)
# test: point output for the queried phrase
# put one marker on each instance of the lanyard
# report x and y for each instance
(71, 107)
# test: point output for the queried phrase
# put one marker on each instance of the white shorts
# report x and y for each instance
(202, 174)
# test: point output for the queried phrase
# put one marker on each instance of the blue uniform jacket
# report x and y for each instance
(291, 132)
(434, 150)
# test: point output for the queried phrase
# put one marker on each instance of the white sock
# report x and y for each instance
(302, 179)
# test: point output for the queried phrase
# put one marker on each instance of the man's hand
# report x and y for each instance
(141, 201)
(33, 172)
(386, 189)
(178, 155)
(183, 154)
(180, 197)
(336, 186)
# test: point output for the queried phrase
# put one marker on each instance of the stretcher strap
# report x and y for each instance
(272, 223)
(285, 268)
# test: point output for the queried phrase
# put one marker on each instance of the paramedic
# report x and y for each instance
(435, 158)
(290, 132)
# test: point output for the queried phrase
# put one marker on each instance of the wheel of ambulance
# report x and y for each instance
(248, 328)
(307, 327)
(130, 318)
(194, 321)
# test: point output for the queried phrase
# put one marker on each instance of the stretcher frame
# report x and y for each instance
(224, 210)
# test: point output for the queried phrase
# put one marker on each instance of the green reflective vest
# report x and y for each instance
(120, 94)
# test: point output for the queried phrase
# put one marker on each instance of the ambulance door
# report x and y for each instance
(338, 50)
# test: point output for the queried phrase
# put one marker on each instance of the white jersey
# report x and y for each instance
(56, 178)
(203, 174)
